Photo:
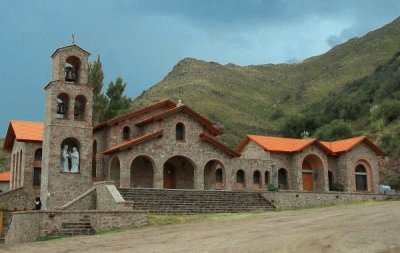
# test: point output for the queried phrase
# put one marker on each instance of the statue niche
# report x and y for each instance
(70, 161)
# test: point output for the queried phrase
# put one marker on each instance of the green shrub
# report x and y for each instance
(272, 188)
(337, 187)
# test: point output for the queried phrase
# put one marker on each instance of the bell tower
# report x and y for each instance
(67, 136)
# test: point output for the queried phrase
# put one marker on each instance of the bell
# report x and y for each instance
(60, 108)
(69, 74)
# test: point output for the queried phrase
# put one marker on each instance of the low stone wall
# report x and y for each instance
(86, 201)
(293, 199)
(19, 199)
(29, 225)
(109, 198)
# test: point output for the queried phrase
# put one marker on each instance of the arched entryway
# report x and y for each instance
(257, 180)
(178, 173)
(115, 171)
(312, 173)
(142, 172)
(240, 180)
(283, 182)
(330, 180)
(214, 175)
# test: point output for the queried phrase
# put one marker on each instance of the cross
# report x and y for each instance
(73, 38)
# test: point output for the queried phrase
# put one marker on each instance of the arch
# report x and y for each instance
(126, 133)
(257, 179)
(70, 151)
(312, 168)
(267, 178)
(178, 173)
(17, 171)
(80, 107)
(142, 172)
(361, 177)
(330, 180)
(72, 65)
(115, 171)
(283, 179)
(240, 179)
(94, 157)
(180, 131)
(38, 154)
(214, 175)
(62, 103)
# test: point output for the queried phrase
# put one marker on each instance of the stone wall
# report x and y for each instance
(294, 199)
(87, 201)
(19, 198)
(28, 226)
(108, 197)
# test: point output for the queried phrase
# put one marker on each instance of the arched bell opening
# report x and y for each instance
(70, 155)
(62, 102)
(214, 175)
(178, 173)
(79, 107)
(72, 65)
(142, 172)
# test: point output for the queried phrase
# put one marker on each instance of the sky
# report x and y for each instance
(141, 40)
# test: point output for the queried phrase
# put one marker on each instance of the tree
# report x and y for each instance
(118, 103)
(96, 77)
(337, 129)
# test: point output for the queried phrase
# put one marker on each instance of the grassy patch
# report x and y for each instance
(51, 238)
(109, 231)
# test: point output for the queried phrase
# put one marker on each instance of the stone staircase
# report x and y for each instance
(83, 227)
(165, 201)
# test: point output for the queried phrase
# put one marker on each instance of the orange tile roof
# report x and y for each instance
(163, 103)
(5, 176)
(133, 142)
(23, 131)
(210, 139)
(204, 121)
(346, 145)
(276, 144)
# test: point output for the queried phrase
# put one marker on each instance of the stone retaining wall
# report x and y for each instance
(295, 199)
(19, 198)
(28, 226)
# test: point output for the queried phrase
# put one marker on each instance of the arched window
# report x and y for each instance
(38, 154)
(282, 179)
(180, 132)
(70, 155)
(330, 180)
(79, 107)
(62, 106)
(126, 133)
(218, 175)
(256, 177)
(94, 155)
(240, 176)
(72, 65)
(361, 178)
(266, 178)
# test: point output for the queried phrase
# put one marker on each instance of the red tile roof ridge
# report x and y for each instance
(5, 176)
(133, 142)
(24, 131)
(132, 114)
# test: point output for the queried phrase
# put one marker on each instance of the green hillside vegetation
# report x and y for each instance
(4, 158)
(259, 99)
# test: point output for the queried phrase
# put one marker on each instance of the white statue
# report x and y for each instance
(74, 160)
(64, 159)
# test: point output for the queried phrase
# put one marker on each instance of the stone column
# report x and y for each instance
(158, 176)
(125, 173)
(198, 177)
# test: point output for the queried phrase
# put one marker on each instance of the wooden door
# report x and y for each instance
(308, 182)
(169, 176)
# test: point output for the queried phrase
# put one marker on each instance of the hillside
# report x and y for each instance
(258, 99)
(4, 158)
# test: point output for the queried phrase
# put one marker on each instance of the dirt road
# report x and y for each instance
(358, 228)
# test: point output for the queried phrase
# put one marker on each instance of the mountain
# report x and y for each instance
(258, 99)
(4, 158)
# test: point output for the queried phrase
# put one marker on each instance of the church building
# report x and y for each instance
(166, 145)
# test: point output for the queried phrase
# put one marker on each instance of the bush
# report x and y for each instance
(337, 129)
(272, 188)
(337, 187)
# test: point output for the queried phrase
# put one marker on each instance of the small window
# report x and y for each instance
(267, 177)
(180, 132)
(38, 154)
(240, 176)
(79, 107)
(126, 133)
(256, 177)
(218, 175)
(37, 173)
(283, 179)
